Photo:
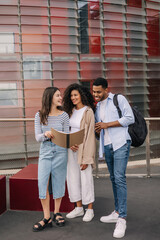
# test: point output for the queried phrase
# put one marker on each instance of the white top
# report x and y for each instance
(75, 119)
(107, 139)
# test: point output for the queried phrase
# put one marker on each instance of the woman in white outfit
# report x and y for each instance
(79, 104)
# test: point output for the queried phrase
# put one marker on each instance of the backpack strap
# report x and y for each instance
(115, 101)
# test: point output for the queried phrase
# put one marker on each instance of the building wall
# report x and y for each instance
(54, 43)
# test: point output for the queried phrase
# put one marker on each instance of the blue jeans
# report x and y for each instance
(117, 164)
(52, 161)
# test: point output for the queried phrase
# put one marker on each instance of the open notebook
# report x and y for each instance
(67, 140)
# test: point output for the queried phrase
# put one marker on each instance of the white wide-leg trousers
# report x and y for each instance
(80, 183)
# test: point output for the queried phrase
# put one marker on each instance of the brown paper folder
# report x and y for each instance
(67, 140)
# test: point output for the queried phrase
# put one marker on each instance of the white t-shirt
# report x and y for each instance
(75, 119)
(107, 139)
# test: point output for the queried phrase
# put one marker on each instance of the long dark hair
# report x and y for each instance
(47, 103)
(86, 97)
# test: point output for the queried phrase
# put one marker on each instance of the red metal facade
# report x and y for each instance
(55, 43)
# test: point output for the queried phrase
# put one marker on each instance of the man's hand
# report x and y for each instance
(83, 166)
(100, 125)
(74, 148)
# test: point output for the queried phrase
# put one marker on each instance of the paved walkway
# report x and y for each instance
(134, 168)
(143, 222)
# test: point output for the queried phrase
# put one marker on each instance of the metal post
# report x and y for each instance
(148, 151)
(50, 44)
(22, 82)
(78, 44)
(102, 35)
(96, 159)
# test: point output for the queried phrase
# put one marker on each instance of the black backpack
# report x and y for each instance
(138, 130)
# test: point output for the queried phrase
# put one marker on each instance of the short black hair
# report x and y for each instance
(101, 81)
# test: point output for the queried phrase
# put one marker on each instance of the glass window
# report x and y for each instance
(64, 39)
(69, 13)
(83, 26)
(61, 30)
(8, 94)
(61, 48)
(90, 70)
(63, 4)
(153, 33)
(8, 10)
(34, 11)
(8, 20)
(32, 69)
(89, 27)
(114, 8)
(6, 42)
(8, 2)
(27, 29)
(36, 68)
(34, 20)
(43, 39)
(55, 21)
(135, 3)
(33, 3)
(36, 48)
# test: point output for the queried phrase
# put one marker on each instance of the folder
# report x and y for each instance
(67, 140)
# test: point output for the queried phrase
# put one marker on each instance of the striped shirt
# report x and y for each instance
(60, 123)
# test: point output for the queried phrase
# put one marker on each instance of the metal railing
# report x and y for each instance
(147, 141)
(24, 120)
(148, 152)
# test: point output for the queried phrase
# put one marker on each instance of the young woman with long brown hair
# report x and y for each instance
(52, 163)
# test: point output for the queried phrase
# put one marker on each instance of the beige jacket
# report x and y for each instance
(86, 151)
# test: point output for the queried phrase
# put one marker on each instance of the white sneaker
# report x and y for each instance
(120, 228)
(112, 218)
(89, 215)
(77, 212)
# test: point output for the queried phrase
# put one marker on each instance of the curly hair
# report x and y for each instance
(86, 98)
(47, 103)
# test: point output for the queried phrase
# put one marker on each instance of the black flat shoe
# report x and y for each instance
(60, 222)
(41, 227)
